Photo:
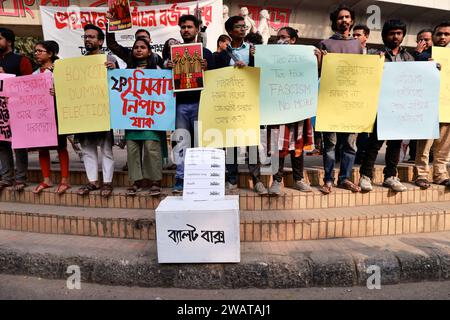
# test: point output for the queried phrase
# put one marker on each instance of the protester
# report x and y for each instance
(20, 66)
(239, 54)
(125, 53)
(424, 44)
(45, 53)
(292, 138)
(342, 21)
(222, 43)
(166, 50)
(187, 102)
(441, 146)
(393, 34)
(93, 41)
(144, 153)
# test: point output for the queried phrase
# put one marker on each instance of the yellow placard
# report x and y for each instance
(349, 92)
(229, 108)
(82, 98)
(442, 55)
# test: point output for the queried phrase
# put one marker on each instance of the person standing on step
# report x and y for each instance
(293, 137)
(20, 66)
(393, 34)
(93, 42)
(187, 102)
(342, 21)
(243, 53)
(441, 146)
(46, 53)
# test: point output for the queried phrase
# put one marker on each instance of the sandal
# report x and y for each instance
(155, 190)
(62, 188)
(131, 191)
(40, 187)
(86, 189)
(19, 186)
(422, 183)
(348, 185)
(106, 190)
(327, 188)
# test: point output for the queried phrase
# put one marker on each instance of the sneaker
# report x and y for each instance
(395, 184)
(302, 186)
(260, 189)
(178, 187)
(365, 183)
(275, 188)
(230, 187)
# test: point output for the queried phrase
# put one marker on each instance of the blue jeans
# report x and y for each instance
(348, 154)
(187, 115)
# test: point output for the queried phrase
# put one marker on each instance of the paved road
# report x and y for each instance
(22, 287)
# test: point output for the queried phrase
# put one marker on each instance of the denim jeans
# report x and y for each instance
(348, 154)
(7, 163)
(187, 115)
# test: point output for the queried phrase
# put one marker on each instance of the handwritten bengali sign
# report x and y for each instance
(229, 108)
(409, 101)
(32, 111)
(141, 99)
(82, 97)
(190, 231)
(289, 86)
(5, 128)
(349, 92)
(442, 55)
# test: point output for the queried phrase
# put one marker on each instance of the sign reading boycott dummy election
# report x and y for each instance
(289, 86)
(229, 108)
(32, 116)
(141, 99)
(82, 98)
(349, 92)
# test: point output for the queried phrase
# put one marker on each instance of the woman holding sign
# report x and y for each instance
(45, 53)
(293, 138)
(144, 153)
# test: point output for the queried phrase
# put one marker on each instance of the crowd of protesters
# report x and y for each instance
(146, 148)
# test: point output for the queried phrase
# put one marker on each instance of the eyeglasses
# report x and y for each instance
(241, 26)
(88, 37)
(39, 51)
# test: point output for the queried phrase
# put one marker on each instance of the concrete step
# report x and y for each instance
(255, 226)
(320, 263)
(289, 199)
(314, 175)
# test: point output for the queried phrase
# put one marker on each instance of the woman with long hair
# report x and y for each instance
(144, 153)
(46, 53)
(293, 138)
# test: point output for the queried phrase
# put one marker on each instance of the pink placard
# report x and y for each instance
(5, 129)
(32, 111)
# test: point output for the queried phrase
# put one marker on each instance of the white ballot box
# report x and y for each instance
(198, 231)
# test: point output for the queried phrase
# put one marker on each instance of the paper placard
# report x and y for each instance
(198, 231)
(204, 171)
(5, 128)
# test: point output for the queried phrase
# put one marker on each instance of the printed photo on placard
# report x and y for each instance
(119, 15)
(187, 67)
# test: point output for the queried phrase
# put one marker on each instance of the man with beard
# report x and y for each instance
(441, 146)
(187, 102)
(19, 65)
(393, 33)
(93, 42)
(342, 21)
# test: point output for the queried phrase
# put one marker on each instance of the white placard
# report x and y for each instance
(204, 174)
(198, 231)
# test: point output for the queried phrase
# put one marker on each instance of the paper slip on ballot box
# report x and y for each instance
(198, 231)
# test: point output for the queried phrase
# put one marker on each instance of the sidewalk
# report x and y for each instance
(340, 262)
